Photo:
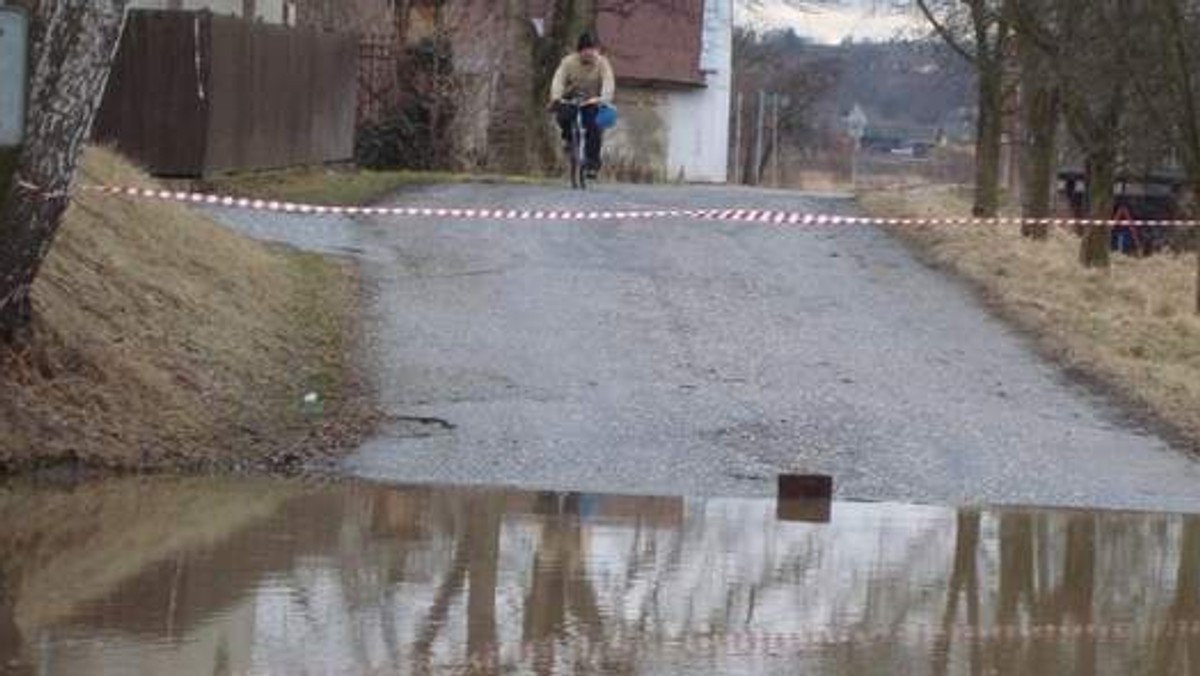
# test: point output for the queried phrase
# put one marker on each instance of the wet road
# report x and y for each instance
(226, 576)
(696, 358)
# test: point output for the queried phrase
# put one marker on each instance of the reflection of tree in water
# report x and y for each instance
(1050, 572)
(560, 606)
(1169, 656)
(1047, 571)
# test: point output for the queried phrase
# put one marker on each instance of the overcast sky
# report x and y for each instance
(850, 18)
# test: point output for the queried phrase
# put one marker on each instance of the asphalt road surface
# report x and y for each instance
(700, 358)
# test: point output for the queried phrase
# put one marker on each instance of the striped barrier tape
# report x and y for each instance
(764, 216)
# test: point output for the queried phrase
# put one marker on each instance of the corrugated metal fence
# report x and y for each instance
(194, 94)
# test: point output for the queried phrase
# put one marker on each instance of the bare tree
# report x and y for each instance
(981, 32)
(1040, 110)
(1087, 48)
(73, 44)
(780, 63)
(1176, 26)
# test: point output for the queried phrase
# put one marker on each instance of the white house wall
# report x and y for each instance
(698, 120)
(270, 11)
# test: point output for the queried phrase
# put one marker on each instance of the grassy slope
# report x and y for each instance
(1132, 327)
(165, 340)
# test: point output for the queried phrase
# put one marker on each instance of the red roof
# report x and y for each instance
(653, 41)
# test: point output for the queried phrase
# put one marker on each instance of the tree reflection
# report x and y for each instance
(963, 586)
(421, 580)
(1173, 651)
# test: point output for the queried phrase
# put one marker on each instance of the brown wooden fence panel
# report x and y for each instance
(154, 109)
(267, 97)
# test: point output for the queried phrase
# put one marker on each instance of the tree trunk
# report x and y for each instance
(1101, 173)
(1040, 115)
(1179, 60)
(73, 46)
(988, 138)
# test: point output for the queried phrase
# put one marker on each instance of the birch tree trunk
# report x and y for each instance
(73, 44)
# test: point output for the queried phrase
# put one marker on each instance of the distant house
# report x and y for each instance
(674, 63)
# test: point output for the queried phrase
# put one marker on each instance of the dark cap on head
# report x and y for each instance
(585, 42)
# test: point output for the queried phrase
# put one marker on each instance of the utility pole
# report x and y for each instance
(775, 138)
(737, 141)
(758, 137)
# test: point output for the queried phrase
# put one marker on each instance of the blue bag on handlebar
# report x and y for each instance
(606, 116)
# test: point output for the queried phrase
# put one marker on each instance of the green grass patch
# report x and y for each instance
(323, 291)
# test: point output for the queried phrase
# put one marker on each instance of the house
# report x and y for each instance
(674, 66)
(673, 61)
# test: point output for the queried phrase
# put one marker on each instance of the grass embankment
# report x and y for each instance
(1131, 328)
(341, 186)
(163, 340)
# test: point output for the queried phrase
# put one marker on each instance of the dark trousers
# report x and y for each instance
(594, 136)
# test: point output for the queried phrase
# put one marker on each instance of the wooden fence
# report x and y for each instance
(196, 94)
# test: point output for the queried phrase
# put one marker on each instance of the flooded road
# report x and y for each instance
(197, 576)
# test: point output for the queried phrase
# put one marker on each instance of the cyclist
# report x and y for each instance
(585, 75)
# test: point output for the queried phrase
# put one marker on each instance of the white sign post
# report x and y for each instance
(14, 56)
(856, 126)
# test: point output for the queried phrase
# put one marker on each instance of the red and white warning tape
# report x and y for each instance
(766, 216)
(753, 644)
(766, 644)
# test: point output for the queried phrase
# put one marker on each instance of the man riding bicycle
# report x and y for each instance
(588, 77)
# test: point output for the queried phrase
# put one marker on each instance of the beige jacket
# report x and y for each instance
(589, 81)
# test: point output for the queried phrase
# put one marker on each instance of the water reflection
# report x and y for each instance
(224, 577)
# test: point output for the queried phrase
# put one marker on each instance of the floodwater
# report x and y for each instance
(219, 576)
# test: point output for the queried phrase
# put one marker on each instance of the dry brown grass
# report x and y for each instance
(164, 340)
(1131, 328)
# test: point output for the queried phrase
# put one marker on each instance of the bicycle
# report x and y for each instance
(577, 142)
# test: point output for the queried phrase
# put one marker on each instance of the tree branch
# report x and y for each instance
(946, 34)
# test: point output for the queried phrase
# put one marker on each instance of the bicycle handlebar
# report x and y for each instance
(580, 101)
